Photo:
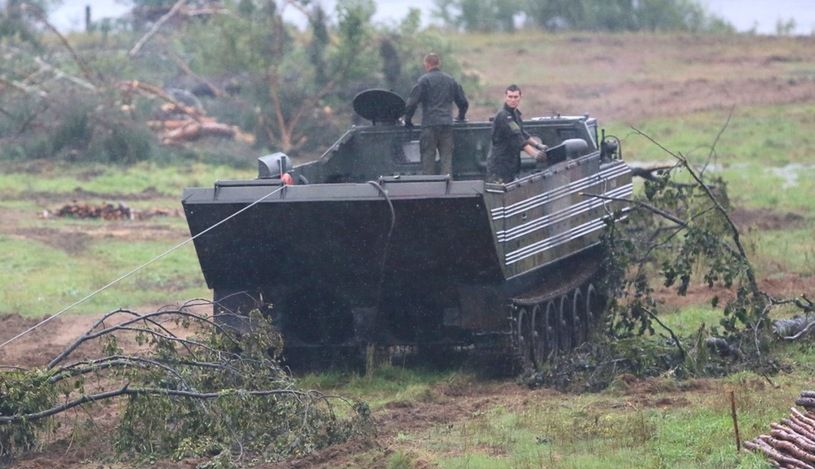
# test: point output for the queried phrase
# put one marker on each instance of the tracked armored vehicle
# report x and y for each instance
(364, 249)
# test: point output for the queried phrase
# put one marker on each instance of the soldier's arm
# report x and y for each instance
(415, 97)
(461, 102)
(516, 134)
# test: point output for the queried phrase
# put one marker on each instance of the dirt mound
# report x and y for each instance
(766, 219)
(72, 242)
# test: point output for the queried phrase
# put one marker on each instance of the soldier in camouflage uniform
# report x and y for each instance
(436, 91)
(508, 140)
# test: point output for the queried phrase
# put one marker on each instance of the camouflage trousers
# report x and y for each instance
(437, 137)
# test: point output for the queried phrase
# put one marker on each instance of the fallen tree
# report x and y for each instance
(189, 387)
(679, 231)
(181, 122)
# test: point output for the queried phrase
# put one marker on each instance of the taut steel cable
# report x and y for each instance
(137, 269)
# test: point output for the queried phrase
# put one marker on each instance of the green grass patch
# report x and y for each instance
(61, 178)
(785, 188)
(689, 319)
(693, 430)
(789, 250)
(769, 136)
(387, 384)
(40, 279)
(659, 423)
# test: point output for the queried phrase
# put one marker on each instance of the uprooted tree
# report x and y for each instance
(190, 388)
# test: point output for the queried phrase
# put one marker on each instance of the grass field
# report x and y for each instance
(679, 90)
(780, 182)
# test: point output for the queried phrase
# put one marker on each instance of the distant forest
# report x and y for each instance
(225, 81)
(583, 15)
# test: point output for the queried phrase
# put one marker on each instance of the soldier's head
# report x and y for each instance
(512, 96)
(431, 61)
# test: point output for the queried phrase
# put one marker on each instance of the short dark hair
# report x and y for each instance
(432, 59)
(513, 87)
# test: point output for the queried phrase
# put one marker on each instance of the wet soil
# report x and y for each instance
(713, 77)
(766, 219)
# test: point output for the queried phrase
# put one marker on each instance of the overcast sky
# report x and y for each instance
(744, 14)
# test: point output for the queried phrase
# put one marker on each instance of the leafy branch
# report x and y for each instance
(684, 230)
(190, 384)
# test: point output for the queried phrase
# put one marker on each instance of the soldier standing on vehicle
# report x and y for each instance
(508, 140)
(436, 91)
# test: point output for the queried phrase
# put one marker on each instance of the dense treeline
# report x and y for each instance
(586, 15)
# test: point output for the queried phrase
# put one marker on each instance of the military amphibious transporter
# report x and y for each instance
(365, 249)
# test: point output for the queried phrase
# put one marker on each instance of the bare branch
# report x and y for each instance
(800, 334)
(88, 335)
(712, 153)
(155, 91)
(147, 318)
(43, 18)
(141, 42)
(13, 368)
(58, 73)
(23, 87)
(670, 331)
(648, 172)
(114, 361)
(639, 203)
(127, 391)
(803, 303)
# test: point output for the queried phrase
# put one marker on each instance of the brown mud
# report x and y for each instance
(610, 76)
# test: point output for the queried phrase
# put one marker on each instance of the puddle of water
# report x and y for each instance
(791, 172)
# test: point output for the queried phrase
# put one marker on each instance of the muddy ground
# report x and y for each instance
(448, 405)
(714, 77)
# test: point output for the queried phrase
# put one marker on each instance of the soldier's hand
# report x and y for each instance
(541, 147)
(541, 157)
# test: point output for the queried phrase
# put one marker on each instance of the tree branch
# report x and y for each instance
(23, 87)
(43, 18)
(127, 391)
(670, 331)
(153, 30)
(639, 203)
(712, 153)
(734, 232)
(147, 318)
(58, 73)
(801, 333)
